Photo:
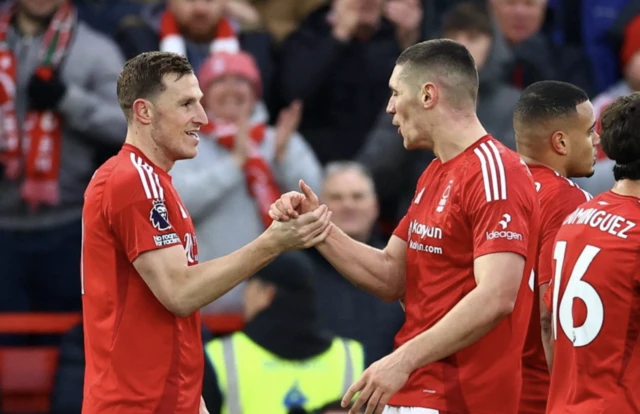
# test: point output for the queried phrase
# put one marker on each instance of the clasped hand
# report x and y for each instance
(300, 221)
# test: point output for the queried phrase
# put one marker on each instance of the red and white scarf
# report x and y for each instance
(260, 180)
(33, 148)
(171, 40)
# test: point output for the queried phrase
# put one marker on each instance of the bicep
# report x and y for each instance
(501, 273)
(159, 269)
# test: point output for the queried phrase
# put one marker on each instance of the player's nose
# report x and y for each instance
(596, 139)
(201, 116)
(391, 106)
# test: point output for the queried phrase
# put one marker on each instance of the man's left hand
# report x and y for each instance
(45, 93)
(378, 384)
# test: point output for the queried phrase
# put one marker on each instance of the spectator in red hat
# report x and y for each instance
(603, 180)
(243, 164)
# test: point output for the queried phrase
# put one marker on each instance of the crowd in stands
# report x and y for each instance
(294, 89)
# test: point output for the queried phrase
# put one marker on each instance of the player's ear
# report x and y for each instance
(560, 143)
(142, 111)
(429, 94)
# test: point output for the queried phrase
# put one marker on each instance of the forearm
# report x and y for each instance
(471, 319)
(545, 327)
(547, 344)
(368, 268)
(203, 283)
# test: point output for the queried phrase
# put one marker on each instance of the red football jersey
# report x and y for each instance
(595, 294)
(482, 201)
(558, 197)
(140, 358)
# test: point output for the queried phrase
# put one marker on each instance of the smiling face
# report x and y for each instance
(177, 116)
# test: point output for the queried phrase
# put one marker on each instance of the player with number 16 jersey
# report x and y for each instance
(595, 288)
(595, 295)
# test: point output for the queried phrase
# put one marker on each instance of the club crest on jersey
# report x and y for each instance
(159, 216)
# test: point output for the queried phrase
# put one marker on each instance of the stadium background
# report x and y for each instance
(341, 125)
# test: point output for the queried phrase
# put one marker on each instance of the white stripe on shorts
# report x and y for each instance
(409, 410)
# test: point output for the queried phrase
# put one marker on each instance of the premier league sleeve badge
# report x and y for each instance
(159, 216)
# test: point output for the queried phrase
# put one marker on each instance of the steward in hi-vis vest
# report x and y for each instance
(282, 359)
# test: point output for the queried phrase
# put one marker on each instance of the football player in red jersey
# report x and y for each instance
(595, 288)
(457, 258)
(555, 135)
(142, 286)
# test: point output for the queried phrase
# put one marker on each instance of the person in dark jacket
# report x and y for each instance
(338, 63)
(346, 310)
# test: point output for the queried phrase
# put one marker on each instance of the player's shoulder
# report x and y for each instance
(558, 191)
(490, 154)
(493, 166)
(133, 178)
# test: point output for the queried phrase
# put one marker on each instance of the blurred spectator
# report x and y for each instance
(282, 359)
(66, 394)
(345, 310)
(470, 24)
(242, 166)
(587, 24)
(394, 169)
(281, 17)
(536, 56)
(59, 111)
(195, 28)
(338, 62)
(602, 180)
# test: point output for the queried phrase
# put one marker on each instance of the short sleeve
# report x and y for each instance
(501, 203)
(552, 215)
(402, 229)
(142, 225)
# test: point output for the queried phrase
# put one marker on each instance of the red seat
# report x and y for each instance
(26, 378)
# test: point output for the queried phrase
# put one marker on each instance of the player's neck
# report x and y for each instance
(145, 144)
(536, 160)
(453, 138)
(627, 188)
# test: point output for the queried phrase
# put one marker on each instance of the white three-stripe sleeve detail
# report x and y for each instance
(152, 180)
(501, 173)
(493, 174)
(485, 175)
(137, 163)
(160, 189)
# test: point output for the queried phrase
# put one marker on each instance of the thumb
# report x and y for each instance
(308, 192)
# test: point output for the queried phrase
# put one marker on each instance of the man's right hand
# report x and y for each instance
(303, 232)
(290, 205)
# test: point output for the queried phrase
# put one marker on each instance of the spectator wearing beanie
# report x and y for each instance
(602, 180)
(243, 164)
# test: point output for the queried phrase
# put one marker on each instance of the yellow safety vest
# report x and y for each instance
(252, 380)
